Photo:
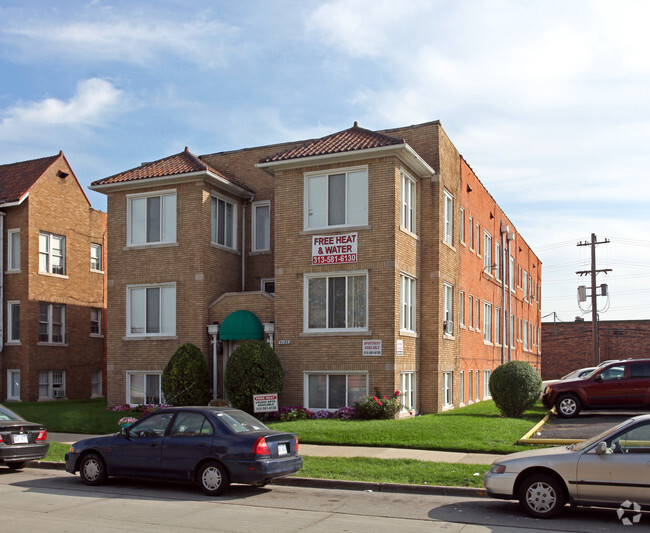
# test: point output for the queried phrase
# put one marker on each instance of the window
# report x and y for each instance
(525, 335)
(191, 425)
(478, 382)
(486, 383)
(640, 370)
(448, 311)
(261, 241)
(151, 218)
(470, 310)
(448, 390)
(462, 387)
(407, 390)
(268, 286)
(333, 391)
(511, 274)
(477, 319)
(478, 239)
(337, 301)
(151, 310)
(337, 199)
(408, 297)
(470, 382)
(95, 321)
(13, 384)
(487, 322)
(51, 384)
(497, 260)
(525, 280)
(408, 202)
(462, 308)
(462, 225)
(51, 253)
(13, 250)
(511, 332)
(95, 256)
(487, 253)
(96, 384)
(497, 325)
(51, 323)
(449, 218)
(470, 227)
(223, 226)
(143, 388)
(13, 322)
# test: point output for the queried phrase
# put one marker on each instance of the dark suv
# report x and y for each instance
(616, 384)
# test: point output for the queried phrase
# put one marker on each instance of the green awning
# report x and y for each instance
(241, 325)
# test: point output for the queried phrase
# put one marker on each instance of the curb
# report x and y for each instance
(340, 484)
(526, 439)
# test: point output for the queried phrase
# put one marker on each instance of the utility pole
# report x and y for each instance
(594, 301)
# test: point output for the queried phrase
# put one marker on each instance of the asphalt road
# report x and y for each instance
(584, 426)
(52, 500)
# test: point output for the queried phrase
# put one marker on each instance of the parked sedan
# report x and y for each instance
(20, 441)
(581, 373)
(606, 471)
(210, 446)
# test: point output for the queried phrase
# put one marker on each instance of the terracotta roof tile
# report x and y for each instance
(354, 138)
(16, 179)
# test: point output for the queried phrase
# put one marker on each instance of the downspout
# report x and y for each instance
(2, 279)
(511, 237)
(504, 269)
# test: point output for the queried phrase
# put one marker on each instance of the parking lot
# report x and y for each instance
(585, 425)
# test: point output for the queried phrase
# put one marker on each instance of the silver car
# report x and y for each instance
(607, 470)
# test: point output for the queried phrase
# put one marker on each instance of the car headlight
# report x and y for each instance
(497, 469)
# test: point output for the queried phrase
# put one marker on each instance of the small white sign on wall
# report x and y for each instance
(399, 347)
(372, 348)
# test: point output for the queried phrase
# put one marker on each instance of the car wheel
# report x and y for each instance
(92, 469)
(16, 465)
(213, 478)
(541, 496)
(567, 406)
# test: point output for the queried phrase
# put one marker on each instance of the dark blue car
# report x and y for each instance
(210, 446)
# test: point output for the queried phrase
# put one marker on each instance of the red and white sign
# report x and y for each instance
(265, 403)
(399, 347)
(334, 249)
(372, 348)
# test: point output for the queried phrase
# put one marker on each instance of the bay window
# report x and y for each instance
(339, 198)
(336, 301)
(151, 218)
(151, 310)
(333, 391)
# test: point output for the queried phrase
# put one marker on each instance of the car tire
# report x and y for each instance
(541, 496)
(568, 406)
(16, 465)
(92, 469)
(213, 478)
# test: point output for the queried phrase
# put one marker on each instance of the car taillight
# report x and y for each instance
(42, 435)
(296, 444)
(261, 447)
(1, 438)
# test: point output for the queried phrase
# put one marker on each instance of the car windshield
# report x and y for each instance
(8, 414)
(602, 436)
(240, 422)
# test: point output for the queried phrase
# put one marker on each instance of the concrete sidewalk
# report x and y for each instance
(318, 450)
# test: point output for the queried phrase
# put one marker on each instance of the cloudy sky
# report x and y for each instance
(547, 100)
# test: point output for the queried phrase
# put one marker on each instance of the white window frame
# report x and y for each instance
(349, 399)
(486, 384)
(167, 220)
(13, 376)
(478, 238)
(408, 303)
(470, 311)
(265, 229)
(462, 225)
(327, 276)
(96, 384)
(448, 308)
(167, 325)
(525, 285)
(478, 385)
(487, 252)
(13, 250)
(12, 305)
(51, 381)
(497, 325)
(462, 387)
(447, 389)
(95, 257)
(145, 373)
(477, 309)
(50, 323)
(497, 261)
(487, 322)
(97, 319)
(47, 255)
(471, 232)
(408, 391)
(316, 200)
(229, 233)
(449, 218)
(265, 282)
(470, 381)
(409, 203)
(525, 334)
(462, 308)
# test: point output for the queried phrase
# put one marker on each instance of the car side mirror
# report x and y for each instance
(125, 431)
(599, 378)
(601, 449)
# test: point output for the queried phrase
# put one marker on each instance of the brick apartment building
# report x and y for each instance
(350, 254)
(569, 345)
(51, 284)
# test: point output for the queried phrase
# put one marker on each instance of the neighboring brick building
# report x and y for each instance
(569, 345)
(52, 284)
(343, 252)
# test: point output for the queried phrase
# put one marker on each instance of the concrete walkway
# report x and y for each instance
(317, 450)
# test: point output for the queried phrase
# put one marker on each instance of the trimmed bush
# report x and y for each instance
(515, 386)
(377, 407)
(253, 368)
(186, 378)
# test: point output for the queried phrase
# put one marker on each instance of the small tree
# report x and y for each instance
(515, 386)
(186, 378)
(253, 368)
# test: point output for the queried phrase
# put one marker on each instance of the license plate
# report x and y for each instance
(283, 448)
(20, 439)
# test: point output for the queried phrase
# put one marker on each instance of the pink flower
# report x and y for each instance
(374, 398)
(379, 402)
(397, 393)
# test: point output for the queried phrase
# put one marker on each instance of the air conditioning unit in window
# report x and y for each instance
(448, 326)
(58, 393)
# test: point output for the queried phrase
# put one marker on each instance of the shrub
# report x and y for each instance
(186, 378)
(515, 386)
(377, 407)
(253, 368)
